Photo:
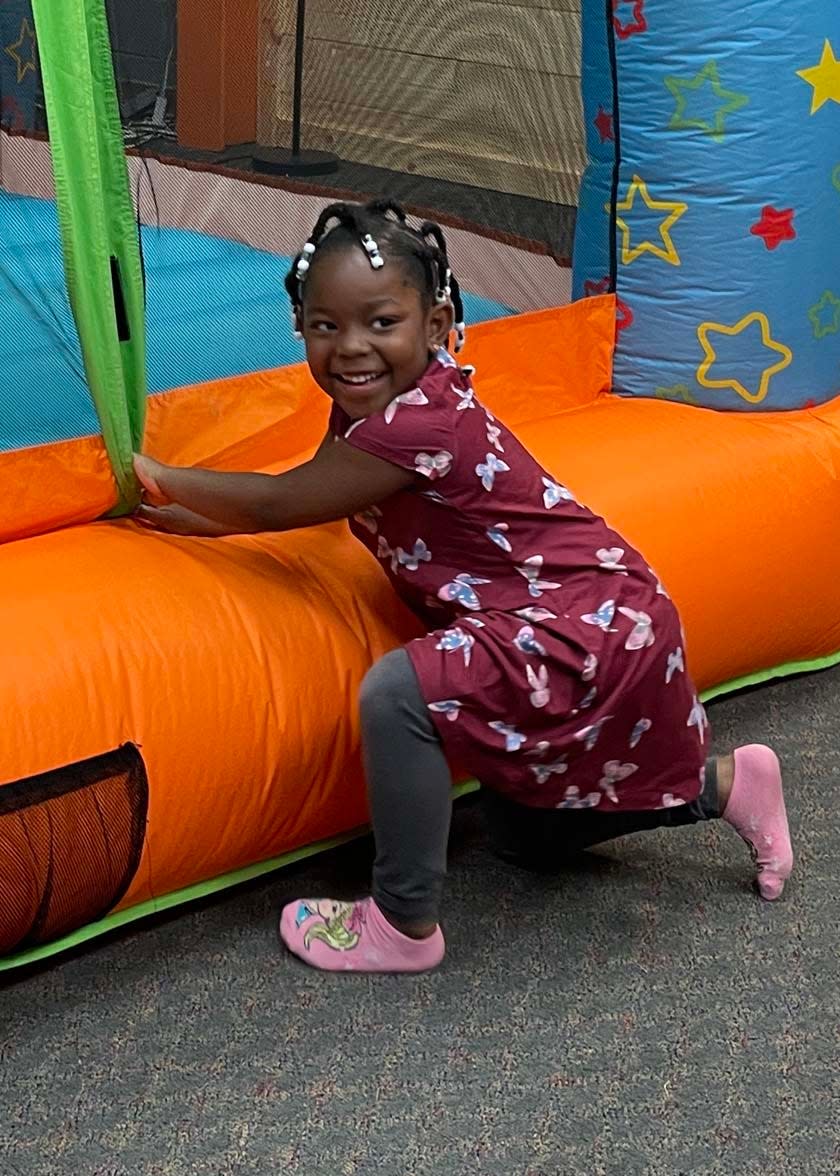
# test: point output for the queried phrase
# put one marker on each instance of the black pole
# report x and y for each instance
(293, 160)
(297, 98)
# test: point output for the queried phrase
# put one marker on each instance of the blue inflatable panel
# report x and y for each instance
(216, 308)
(712, 199)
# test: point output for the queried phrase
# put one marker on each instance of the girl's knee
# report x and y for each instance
(385, 686)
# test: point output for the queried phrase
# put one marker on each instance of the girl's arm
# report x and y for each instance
(336, 483)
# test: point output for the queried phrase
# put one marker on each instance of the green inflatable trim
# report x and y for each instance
(224, 881)
(98, 227)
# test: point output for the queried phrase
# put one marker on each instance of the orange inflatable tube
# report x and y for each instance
(201, 694)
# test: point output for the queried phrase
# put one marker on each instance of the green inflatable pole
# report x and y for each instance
(97, 221)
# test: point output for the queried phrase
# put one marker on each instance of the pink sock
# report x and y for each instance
(756, 811)
(354, 937)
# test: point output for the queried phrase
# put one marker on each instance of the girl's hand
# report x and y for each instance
(160, 512)
(149, 473)
(177, 520)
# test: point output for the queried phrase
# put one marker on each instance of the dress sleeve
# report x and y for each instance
(412, 433)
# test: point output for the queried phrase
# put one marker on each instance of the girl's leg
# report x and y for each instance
(540, 838)
(745, 789)
(410, 795)
(410, 792)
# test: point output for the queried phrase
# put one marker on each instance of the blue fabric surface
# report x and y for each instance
(215, 309)
(728, 198)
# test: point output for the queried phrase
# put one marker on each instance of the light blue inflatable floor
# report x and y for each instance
(215, 309)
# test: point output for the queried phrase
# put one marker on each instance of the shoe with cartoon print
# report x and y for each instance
(337, 936)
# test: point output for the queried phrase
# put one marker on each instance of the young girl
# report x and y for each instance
(553, 667)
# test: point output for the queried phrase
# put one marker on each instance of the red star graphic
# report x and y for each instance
(623, 313)
(637, 25)
(604, 124)
(775, 226)
(11, 115)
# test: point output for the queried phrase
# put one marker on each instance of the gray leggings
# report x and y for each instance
(410, 793)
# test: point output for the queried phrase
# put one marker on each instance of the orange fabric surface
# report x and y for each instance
(735, 513)
(53, 486)
(271, 419)
(235, 664)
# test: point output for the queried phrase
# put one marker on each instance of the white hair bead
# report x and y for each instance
(297, 334)
(302, 268)
(372, 250)
(460, 335)
(309, 248)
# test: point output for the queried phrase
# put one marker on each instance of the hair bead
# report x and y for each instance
(372, 249)
(425, 246)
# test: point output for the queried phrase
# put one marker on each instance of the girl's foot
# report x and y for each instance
(756, 811)
(354, 937)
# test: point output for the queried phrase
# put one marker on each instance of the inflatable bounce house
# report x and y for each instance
(652, 238)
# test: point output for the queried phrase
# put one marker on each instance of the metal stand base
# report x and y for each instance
(281, 161)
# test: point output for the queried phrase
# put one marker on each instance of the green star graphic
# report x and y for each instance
(676, 392)
(680, 88)
(822, 327)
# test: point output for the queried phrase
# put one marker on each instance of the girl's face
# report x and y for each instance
(368, 335)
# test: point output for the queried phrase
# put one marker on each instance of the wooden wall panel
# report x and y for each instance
(218, 49)
(491, 100)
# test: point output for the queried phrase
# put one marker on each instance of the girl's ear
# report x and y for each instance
(440, 323)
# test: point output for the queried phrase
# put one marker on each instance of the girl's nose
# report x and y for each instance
(353, 343)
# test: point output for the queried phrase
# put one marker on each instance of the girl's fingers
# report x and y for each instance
(156, 518)
(149, 516)
(174, 520)
(148, 472)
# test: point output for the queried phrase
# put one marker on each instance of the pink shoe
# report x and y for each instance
(756, 811)
(354, 937)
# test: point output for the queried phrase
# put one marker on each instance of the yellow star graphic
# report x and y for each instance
(731, 102)
(676, 209)
(825, 78)
(24, 64)
(710, 356)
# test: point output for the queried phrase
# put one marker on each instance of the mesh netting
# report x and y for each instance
(474, 120)
(70, 842)
(472, 111)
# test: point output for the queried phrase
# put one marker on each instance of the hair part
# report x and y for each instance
(381, 230)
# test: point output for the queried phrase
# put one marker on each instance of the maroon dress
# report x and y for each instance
(553, 666)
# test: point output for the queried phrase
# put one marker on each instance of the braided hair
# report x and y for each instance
(381, 229)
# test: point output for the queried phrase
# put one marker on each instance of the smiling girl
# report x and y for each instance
(553, 666)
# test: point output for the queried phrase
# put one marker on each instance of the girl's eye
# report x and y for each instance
(322, 326)
(384, 322)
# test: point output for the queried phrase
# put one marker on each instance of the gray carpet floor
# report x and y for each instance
(639, 1014)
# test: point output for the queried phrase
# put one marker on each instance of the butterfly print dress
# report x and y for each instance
(553, 666)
